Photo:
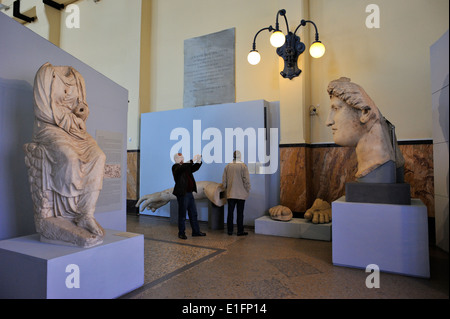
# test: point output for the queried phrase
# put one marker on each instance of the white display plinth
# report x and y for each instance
(393, 237)
(30, 268)
(295, 228)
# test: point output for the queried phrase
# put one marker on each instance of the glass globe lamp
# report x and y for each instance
(253, 57)
(277, 39)
(317, 49)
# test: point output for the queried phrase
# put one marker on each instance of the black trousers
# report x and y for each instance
(187, 202)
(240, 203)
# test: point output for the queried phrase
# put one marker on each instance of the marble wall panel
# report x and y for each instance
(333, 167)
(308, 172)
(419, 173)
(132, 175)
(314, 171)
(293, 178)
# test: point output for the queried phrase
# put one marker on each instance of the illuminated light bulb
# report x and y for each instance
(277, 39)
(317, 49)
(253, 57)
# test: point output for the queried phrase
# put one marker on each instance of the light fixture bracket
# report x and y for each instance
(290, 51)
(292, 47)
(54, 4)
(17, 14)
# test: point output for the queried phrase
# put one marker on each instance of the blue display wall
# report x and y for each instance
(214, 131)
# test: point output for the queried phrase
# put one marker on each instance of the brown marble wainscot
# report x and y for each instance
(310, 171)
(133, 157)
(294, 177)
(419, 170)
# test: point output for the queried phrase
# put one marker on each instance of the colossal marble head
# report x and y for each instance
(352, 113)
(356, 121)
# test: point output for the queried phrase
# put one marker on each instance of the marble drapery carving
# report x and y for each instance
(65, 164)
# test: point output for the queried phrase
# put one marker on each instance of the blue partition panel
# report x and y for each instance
(213, 131)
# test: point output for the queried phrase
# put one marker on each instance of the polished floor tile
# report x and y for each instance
(256, 266)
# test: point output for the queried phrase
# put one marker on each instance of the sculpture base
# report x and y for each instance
(61, 231)
(31, 269)
(65, 243)
(381, 193)
(215, 214)
(295, 228)
(393, 237)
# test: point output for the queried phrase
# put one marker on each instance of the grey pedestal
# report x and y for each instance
(379, 193)
(215, 215)
(295, 228)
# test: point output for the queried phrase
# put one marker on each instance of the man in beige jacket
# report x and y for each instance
(236, 181)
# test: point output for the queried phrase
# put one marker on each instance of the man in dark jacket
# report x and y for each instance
(184, 186)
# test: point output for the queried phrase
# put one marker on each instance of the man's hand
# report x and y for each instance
(197, 158)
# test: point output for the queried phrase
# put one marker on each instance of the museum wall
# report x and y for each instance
(48, 20)
(143, 51)
(172, 22)
(391, 62)
(310, 171)
(107, 39)
(321, 171)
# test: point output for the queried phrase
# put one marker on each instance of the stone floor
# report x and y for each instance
(256, 266)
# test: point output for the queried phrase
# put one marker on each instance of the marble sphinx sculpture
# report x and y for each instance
(65, 164)
(357, 122)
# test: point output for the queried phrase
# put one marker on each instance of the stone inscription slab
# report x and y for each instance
(209, 69)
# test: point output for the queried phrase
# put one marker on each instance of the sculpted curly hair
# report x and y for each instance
(351, 93)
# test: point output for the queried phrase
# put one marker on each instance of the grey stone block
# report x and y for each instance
(379, 193)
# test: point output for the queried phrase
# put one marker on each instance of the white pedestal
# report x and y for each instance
(32, 269)
(394, 237)
(295, 228)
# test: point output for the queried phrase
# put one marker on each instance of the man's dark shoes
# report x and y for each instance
(198, 234)
(182, 236)
(244, 233)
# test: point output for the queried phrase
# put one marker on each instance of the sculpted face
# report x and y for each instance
(356, 121)
(345, 123)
